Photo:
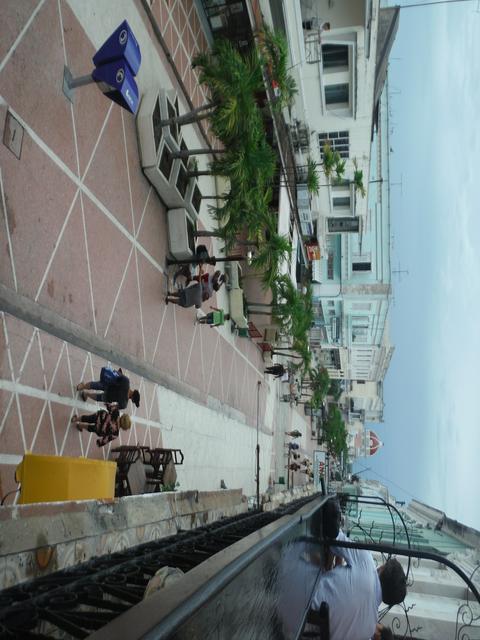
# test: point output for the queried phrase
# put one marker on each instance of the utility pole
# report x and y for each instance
(259, 384)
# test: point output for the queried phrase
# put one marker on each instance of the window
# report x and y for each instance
(330, 265)
(361, 266)
(339, 225)
(359, 329)
(337, 93)
(334, 56)
(341, 202)
(338, 141)
(331, 303)
(362, 306)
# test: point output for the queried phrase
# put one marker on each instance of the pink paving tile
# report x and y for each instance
(35, 213)
(31, 373)
(67, 289)
(107, 176)
(166, 355)
(186, 337)
(194, 375)
(90, 447)
(11, 441)
(5, 369)
(177, 16)
(18, 335)
(90, 106)
(72, 446)
(7, 482)
(152, 234)
(229, 375)
(108, 251)
(44, 441)
(160, 12)
(188, 41)
(51, 348)
(152, 287)
(169, 35)
(77, 359)
(125, 330)
(14, 17)
(60, 383)
(32, 410)
(31, 83)
(139, 184)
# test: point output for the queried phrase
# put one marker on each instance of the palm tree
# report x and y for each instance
(358, 180)
(274, 49)
(313, 179)
(232, 80)
(272, 249)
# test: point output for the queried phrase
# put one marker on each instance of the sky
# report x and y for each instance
(431, 429)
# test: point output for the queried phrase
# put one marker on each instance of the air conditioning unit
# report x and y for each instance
(181, 230)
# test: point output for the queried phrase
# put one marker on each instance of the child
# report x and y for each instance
(215, 318)
(105, 423)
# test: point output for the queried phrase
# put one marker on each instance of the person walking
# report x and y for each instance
(277, 370)
(113, 386)
(106, 423)
(215, 318)
(293, 434)
(190, 296)
(292, 445)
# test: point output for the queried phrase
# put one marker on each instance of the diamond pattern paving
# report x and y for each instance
(85, 236)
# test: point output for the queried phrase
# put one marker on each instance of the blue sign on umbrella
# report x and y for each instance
(116, 81)
(116, 63)
(121, 44)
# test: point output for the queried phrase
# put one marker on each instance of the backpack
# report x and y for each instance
(108, 375)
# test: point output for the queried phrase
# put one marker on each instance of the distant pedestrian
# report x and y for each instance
(106, 423)
(113, 386)
(293, 466)
(215, 318)
(293, 434)
(277, 370)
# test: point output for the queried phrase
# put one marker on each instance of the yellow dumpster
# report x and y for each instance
(57, 478)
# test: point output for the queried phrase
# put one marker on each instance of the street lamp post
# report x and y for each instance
(257, 449)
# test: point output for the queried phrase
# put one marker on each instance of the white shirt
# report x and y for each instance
(353, 594)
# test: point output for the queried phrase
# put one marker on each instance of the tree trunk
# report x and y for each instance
(197, 174)
(258, 313)
(207, 234)
(187, 153)
(195, 115)
(280, 353)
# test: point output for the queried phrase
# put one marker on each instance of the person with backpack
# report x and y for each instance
(113, 387)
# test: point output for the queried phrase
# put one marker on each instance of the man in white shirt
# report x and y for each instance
(354, 591)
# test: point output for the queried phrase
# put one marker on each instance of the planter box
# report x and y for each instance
(164, 176)
(156, 105)
(181, 228)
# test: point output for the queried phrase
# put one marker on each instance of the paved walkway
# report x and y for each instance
(84, 238)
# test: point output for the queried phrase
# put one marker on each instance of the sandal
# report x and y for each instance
(74, 418)
(80, 386)
(84, 396)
